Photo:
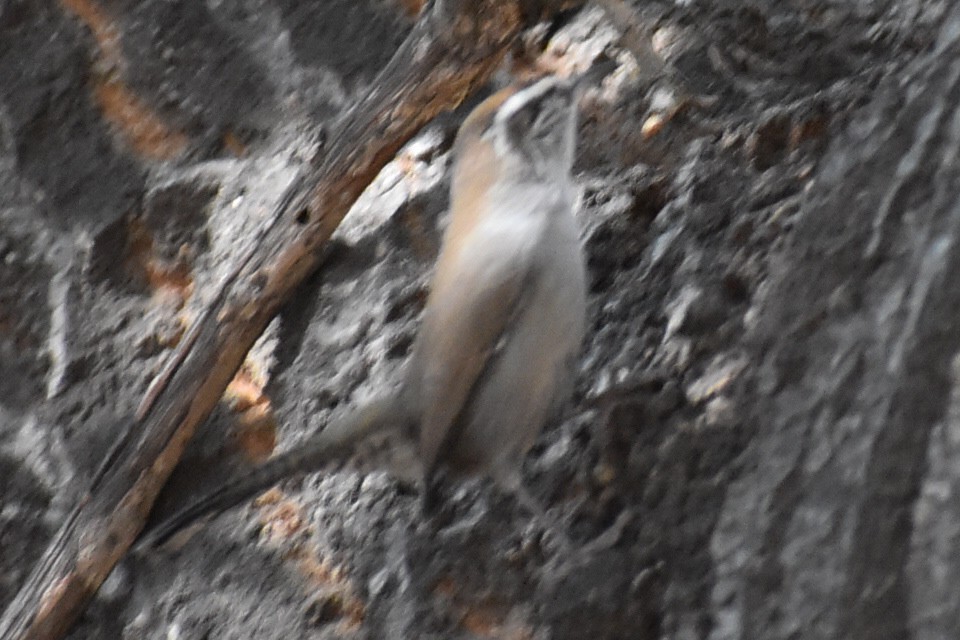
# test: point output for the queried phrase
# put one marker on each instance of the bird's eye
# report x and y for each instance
(528, 115)
(520, 123)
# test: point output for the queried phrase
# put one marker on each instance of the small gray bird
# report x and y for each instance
(505, 317)
(506, 313)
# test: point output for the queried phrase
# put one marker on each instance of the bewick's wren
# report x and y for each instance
(506, 312)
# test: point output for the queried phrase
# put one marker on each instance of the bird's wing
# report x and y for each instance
(470, 310)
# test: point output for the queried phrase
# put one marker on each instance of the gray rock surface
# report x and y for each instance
(762, 442)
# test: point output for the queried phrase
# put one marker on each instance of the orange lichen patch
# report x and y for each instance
(281, 520)
(140, 126)
(256, 433)
(336, 599)
(814, 128)
(100, 24)
(446, 587)
(489, 622)
(271, 496)
(168, 280)
(482, 622)
(233, 144)
(256, 429)
(412, 7)
(317, 570)
(245, 391)
(143, 129)
(487, 618)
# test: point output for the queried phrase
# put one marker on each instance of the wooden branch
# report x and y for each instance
(452, 49)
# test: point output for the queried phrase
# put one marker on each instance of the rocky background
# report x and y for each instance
(762, 441)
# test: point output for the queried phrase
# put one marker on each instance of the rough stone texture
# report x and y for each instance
(763, 439)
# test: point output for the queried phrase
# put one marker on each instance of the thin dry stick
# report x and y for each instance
(452, 49)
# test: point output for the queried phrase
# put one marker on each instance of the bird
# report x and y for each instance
(506, 312)
(496, 351)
